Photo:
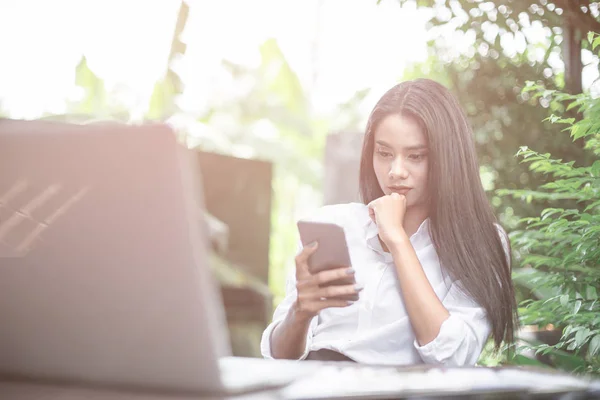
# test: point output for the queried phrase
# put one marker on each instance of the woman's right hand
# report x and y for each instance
(315, 291)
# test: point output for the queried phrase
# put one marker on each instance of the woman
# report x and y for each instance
(432, 266)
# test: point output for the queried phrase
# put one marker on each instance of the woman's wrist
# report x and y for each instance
(399, 247)
(288, 339)
(298, 316)
(396, 242)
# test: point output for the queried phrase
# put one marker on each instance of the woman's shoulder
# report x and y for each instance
(340, 214)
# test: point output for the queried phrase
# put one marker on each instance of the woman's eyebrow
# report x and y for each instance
(416, 147)
(409, 148)
(382, 143)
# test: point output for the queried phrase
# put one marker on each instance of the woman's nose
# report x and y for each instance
(398, 170)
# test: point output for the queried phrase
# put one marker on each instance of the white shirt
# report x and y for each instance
(376, 329)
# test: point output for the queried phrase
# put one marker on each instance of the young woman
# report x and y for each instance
(432, 266)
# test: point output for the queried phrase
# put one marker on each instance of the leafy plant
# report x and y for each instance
(559, 250)
(500, 52)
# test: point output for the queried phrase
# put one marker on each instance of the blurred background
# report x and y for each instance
(274, 96)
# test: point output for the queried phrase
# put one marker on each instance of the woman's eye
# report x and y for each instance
(384, 154)
(416, 157)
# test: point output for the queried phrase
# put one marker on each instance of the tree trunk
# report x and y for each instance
(572, 37)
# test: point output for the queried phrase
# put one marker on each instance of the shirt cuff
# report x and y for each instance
(265, 342)
(443, 348)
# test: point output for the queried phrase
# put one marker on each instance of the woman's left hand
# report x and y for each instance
(388, 213)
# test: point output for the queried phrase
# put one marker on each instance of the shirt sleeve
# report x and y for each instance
(465, 332)
(279, 315)
(462, 336)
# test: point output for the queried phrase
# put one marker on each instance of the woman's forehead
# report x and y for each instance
(398, 131)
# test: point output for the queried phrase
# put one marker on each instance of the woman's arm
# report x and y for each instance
(307, 294)
(425, 310)
(449, 332)
(288, 338)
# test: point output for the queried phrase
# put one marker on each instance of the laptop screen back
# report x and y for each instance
(103, 265)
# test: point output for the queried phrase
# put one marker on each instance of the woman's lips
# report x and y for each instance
(400, 190)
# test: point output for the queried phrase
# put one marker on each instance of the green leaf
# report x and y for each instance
(590, 35)
(581, 336)
(595, 43)
(94, 101)
(548, 212)
(530, 86)
(162, 99)
(522, 149)
(590, 293)
(567, 331)
(523, 360)
(573, 105)
(566, 361)
(592, 206)
(595, 169)
(564, 300)
(283, 82)
(576, 132)
(594, 346)
(576, 306)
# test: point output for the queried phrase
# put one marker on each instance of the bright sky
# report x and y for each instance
(340, 46)
(336, 47)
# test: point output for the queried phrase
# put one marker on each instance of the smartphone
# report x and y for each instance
(332, 251)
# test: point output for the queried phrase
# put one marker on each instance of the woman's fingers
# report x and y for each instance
(302, 260)
(342, 273)
(316, 292)
(323, 304)
(308, 290)
(337, 291)
(313, 299)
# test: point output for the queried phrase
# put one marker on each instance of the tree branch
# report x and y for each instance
(584, 20)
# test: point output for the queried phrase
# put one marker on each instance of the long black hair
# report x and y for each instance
(462, 222)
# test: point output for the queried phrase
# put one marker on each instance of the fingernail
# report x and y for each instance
(312, 245)
(350, 302)
(350, 271)
(358, 287)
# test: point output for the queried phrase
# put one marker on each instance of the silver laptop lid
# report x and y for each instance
(103, 266)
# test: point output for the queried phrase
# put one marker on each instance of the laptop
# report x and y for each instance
(103, 264)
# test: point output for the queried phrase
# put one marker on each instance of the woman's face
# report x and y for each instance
(400, 159)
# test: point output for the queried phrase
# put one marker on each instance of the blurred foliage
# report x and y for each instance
(163, 99)
(512, 42)
(97, 103)
(560, 248)
(272, 118)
